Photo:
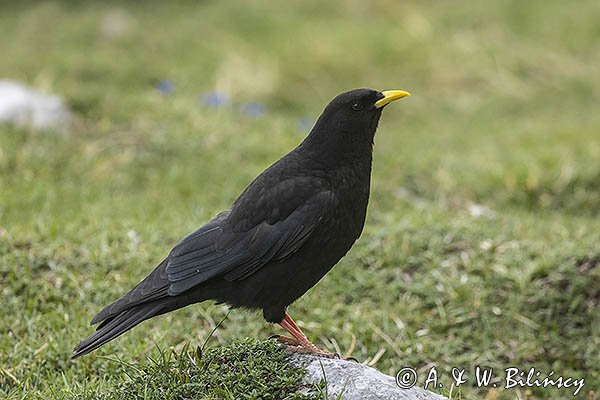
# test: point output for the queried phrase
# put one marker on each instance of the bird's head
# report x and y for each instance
(349, 121)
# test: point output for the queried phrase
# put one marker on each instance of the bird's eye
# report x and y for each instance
(357, 106)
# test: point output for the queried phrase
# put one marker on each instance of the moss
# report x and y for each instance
(247, 369)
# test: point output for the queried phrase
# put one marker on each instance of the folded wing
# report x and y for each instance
(220, 248)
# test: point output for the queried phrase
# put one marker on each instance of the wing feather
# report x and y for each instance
(222, 250)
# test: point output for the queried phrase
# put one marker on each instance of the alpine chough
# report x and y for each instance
(286, 230)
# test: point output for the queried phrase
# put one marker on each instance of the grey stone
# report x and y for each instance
(25, 107)
(356, 381)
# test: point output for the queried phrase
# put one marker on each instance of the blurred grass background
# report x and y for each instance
(482, 240)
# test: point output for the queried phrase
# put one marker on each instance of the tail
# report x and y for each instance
(148, 299)
(119, 324)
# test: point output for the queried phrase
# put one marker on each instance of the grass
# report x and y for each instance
(502, 120)
(247, 369)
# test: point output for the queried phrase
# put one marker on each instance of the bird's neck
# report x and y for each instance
(342, 162)
(354, 163)
(339, 150)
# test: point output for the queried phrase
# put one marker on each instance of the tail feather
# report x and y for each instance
(119, 324)
(153, 287)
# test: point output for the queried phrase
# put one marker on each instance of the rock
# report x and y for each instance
(26, 107)
(356, 381)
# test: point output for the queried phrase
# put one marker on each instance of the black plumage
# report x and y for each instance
(286, 230)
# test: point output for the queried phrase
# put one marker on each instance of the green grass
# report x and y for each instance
(247, 369)
(503, 114)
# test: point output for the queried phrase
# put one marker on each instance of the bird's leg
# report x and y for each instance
(288, 341)
(301, 340)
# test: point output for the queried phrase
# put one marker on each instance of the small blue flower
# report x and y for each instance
(305, 123)
(214, 99)
(166, 87)
(254, 110)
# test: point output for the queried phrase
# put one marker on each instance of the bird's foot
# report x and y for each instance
(295, 346)
(286, 340)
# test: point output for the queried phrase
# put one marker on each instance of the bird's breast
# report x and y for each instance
(353, 197)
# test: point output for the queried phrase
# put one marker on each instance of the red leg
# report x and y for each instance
(289, 325)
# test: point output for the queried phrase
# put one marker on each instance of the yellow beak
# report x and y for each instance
(389, 96)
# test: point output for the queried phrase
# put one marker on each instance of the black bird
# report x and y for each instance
(286, 230)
